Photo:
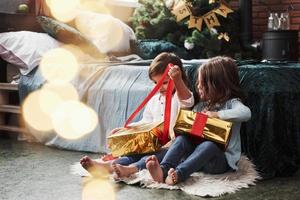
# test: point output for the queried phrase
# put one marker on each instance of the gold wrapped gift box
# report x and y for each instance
(215, 130)
(138, 139)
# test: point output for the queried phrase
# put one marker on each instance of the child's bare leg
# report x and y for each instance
(172, 177)
(88, 163)
(154, 168)
(124, 171)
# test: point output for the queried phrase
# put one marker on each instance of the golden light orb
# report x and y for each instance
(95, 189)
(104, 31)
(73, 119)
(63, 10)
(59, 65)
(35, 112)
(64, 90)
(98, 6)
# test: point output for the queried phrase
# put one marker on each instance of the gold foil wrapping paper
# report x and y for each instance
(137, 139)
(215, 130)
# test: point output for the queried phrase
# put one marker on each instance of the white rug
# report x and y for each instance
(199, 184)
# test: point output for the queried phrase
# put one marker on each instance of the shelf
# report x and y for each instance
(9, 103)
(8, 86)
(10, 109)
(12, 129)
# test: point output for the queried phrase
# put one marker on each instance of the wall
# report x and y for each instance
(260, 14)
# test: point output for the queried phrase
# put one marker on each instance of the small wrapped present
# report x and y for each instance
(137, 139)
(201, 127)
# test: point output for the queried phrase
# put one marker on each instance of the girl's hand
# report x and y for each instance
(211, 114)
(175, 73)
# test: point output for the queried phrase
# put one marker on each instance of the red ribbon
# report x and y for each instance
(167, 113)
(199, 124)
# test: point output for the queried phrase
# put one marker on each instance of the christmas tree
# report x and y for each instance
(163, 19)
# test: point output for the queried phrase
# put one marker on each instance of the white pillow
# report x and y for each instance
(25, 49)
(107, 33)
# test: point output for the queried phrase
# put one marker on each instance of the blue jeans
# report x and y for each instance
(139, 160)
(187, 157)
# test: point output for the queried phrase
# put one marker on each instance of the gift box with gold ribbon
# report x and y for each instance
(138, 139)
(202, 127)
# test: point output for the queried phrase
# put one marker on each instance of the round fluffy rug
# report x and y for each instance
(199, 184)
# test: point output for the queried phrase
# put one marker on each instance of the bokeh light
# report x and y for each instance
(96, 189)
(105, 32)
(35, 111)
(73, 119)
(80, 53)
(48, 101)
(63, 10)
(59, 65)
(94, 6)
(64, 90)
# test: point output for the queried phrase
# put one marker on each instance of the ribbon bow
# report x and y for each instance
(224, 36)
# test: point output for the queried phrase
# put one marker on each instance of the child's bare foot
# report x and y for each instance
(172, 177)
(154, 168)
(124, 171)
(87, 163)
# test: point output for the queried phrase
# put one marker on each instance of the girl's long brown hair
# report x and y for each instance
(220, 80)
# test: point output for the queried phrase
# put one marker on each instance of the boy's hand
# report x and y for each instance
(175, 73)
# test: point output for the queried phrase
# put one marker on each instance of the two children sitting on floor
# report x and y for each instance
(154, 111)
(220, 97)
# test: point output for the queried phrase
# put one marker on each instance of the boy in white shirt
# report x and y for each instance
(154, 111)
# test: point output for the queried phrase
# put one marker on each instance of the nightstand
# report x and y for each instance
(19, 22)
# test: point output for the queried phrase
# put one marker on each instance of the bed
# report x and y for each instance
(113, 90)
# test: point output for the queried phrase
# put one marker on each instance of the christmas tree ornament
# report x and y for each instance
(223, 10)
(211, 20)
(181, 11)
(170, 4)
(224, 36)
(188, 45)
(213, 31)
(195, 22)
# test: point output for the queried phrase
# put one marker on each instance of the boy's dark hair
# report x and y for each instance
(220, 80)
(160, 63)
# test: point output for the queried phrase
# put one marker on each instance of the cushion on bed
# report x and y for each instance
(68, 35)
(25, 49)
(149, 48)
